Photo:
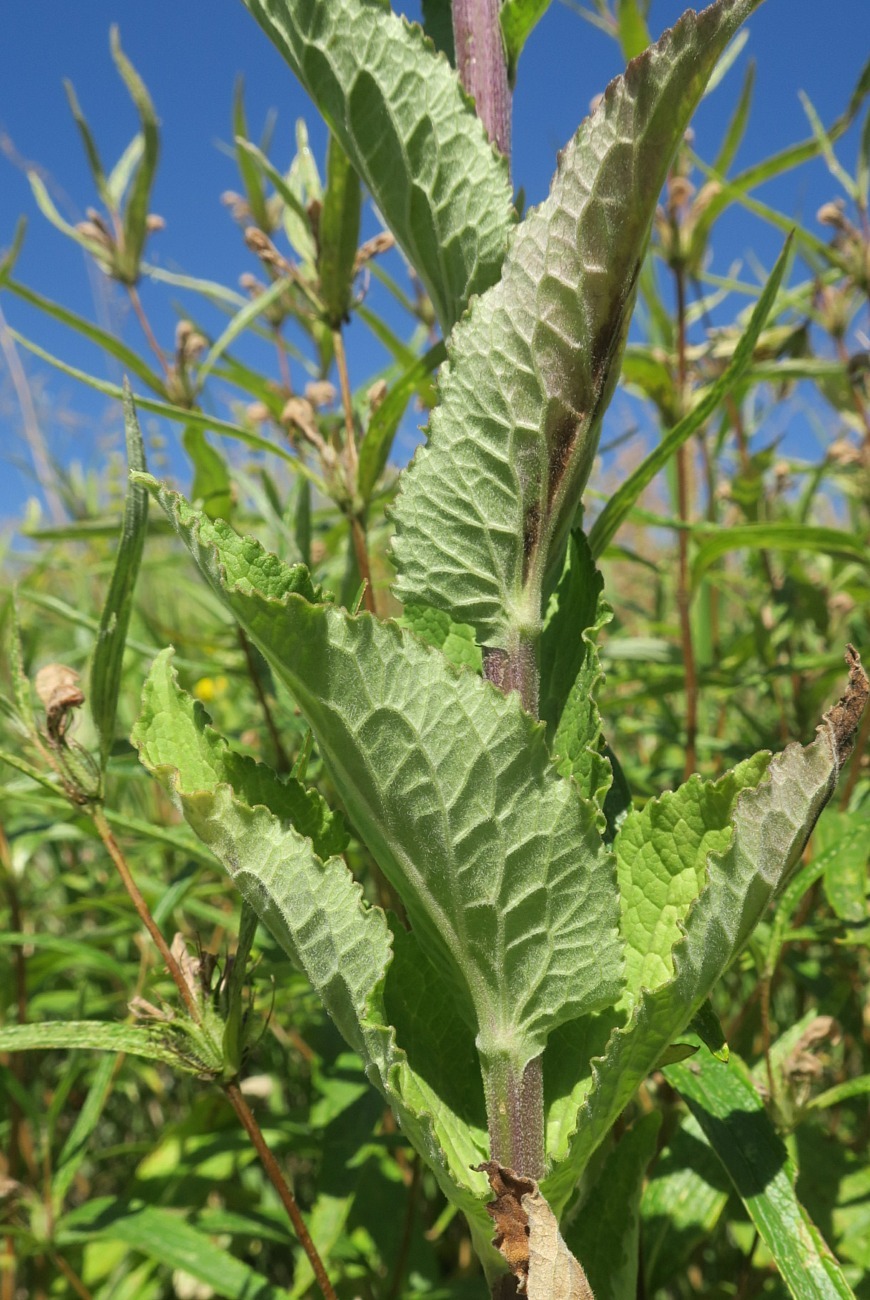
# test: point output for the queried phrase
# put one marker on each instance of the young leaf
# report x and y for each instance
(375, 449)
(211, 485)
(735, 1123)
(769, 825)
(455, 640)
(112, 636)
(154, 1042)
(248, 170)
(518, 19)
(571, 674)
(399, 114)
(338, 233)
(497, 860)
(485, 508)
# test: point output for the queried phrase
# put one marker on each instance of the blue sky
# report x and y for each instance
(190, 54)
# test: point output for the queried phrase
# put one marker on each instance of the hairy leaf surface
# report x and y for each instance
(316, 912)
(770, 825)
(399, 112)
(486, 506)
(498, 860)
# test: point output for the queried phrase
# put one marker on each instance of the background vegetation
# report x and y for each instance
(736, 583)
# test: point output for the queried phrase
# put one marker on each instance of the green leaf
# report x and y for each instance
(486, 506)
(662, 850)
(211, 485)
(844, 838)
(398, 112)
(248, 169)
(633, 32)
(455, 640)
(247, 817)
(497, 860)
(571, 673)
(136, 212)
(316, 912)
(89, 143)
(155, 1042)
(109, 650)
(518, 20)
(620, 504)
(681, 1206)
(105, 339)
(75, 1147)
(375, 448)
(239, 323)
(186, 415)
(338, 234)
(782, 536)
(735, 1123)
(438, 26)
(165, 1236)
(605, 1235)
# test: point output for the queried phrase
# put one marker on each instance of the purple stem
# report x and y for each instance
(482, 67)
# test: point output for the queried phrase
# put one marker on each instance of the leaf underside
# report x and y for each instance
(485, 507)
(401, 117)
(498, 860)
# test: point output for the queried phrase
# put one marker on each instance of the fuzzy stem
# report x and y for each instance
(482, 67)
(683, 580)
(515, 1114)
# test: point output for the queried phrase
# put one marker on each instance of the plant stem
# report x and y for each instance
(276, 1178)
(407, 1230)
(515, 669)
(136, 304)
(359, 537)
(683, 580)
(515, 1115)
(482, 67)
(103, 829)
(855, 767)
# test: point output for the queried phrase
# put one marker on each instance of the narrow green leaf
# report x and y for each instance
(89, 143)
(399, 114)
(518, 20)
(136, 212)
(857, 1087)
(783, 536)
(151, 1041)
(20, 681)
(105, 339)
(605, 1234)
(165, 1236)
(843, 837)
(632, 28)
(122, 173)
(486, 506)
(48, 210)
(497, 860)
(617, 509)
(240, 322)
(186, 415)
(112, 636)
(211, 485)
(735, 1123)
(737, 123)
(338, 233)
(375, 448)
(248, 169)
(75, 1147)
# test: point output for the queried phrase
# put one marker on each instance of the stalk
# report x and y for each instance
(482, 66)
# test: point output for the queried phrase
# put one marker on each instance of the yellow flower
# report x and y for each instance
(210, 688)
